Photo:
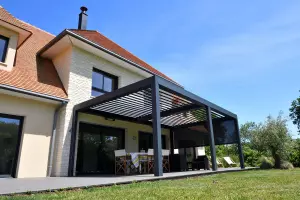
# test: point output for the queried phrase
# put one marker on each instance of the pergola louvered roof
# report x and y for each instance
(178, 107)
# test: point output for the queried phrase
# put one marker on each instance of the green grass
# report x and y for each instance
(255, 184)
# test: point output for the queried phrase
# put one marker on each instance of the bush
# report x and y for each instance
(251, 156)
(294, 156)
(286, 165)
(266, 163)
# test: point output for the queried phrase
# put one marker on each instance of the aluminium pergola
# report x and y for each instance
(160, 103)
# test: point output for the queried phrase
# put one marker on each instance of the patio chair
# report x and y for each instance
(201, 162)
(150, 160)
(166, 160)
(120, 161)
(229, 161)
(219, 163)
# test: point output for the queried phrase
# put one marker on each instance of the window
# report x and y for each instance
(103, 83)
(3, 47)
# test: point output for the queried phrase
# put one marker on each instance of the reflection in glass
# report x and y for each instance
(108, 83)
(97, 80)
(146, 141)
(9, 134)
(96, 147)
(96, 93)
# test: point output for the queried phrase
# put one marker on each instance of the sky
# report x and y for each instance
(241, 55)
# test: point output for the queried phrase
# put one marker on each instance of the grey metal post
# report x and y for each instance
(240, 148)
(211, 139)
(156, 126)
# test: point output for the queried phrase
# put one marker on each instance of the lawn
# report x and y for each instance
(255, 184)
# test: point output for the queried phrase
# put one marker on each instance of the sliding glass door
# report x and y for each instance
(96, 145)
(146, 141)
(10, 135)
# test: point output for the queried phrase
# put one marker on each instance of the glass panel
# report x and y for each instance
(9, 135)
(96, 147)
(96, 93)
(108, 84)
(3, 48)
(146, 141)
(190, 154)
(97, 80)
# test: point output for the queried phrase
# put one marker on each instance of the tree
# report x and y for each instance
(273, 136)
(295, 112)
(246, 132)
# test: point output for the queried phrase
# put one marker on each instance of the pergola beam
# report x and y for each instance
(129, 89)
(173, 111)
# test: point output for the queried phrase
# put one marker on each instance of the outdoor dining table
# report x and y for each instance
(136, 160)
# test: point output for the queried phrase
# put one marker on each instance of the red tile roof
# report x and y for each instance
(30, 72)
(103, 41)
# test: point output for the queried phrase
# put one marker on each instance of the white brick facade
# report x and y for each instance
(79, 90)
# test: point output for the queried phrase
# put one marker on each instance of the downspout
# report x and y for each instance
(52, 143)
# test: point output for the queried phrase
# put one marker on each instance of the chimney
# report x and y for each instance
(82, 23)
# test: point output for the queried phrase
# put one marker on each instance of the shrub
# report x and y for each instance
(294, 156)
(286, 165)
(251, 156)
(266, 163)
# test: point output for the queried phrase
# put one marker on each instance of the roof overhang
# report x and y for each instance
(13, 91)
(178, 107)
(68, 38)
(23, 33)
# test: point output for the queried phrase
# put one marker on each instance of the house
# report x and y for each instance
(64, 96)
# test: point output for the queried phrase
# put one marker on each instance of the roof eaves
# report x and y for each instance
(28, 92)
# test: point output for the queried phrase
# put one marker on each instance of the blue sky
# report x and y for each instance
(241, 55)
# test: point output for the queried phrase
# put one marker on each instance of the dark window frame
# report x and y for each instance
(107, 75)
(20, 131)
(6, 39)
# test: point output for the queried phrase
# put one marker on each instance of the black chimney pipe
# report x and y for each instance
(82, 23)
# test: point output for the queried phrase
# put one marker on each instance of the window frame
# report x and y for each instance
(6, 39)
(105, 75)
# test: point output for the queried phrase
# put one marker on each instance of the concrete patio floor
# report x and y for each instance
(23, 185)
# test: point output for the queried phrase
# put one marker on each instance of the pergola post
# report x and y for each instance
(156, 126)
(211, 139)
(240, 148)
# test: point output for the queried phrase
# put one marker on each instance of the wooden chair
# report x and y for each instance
(150, 160)
(120, 161)
(166, 160)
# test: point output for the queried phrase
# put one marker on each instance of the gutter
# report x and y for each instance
(28, 92)
(53, 136)
(66, 31)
